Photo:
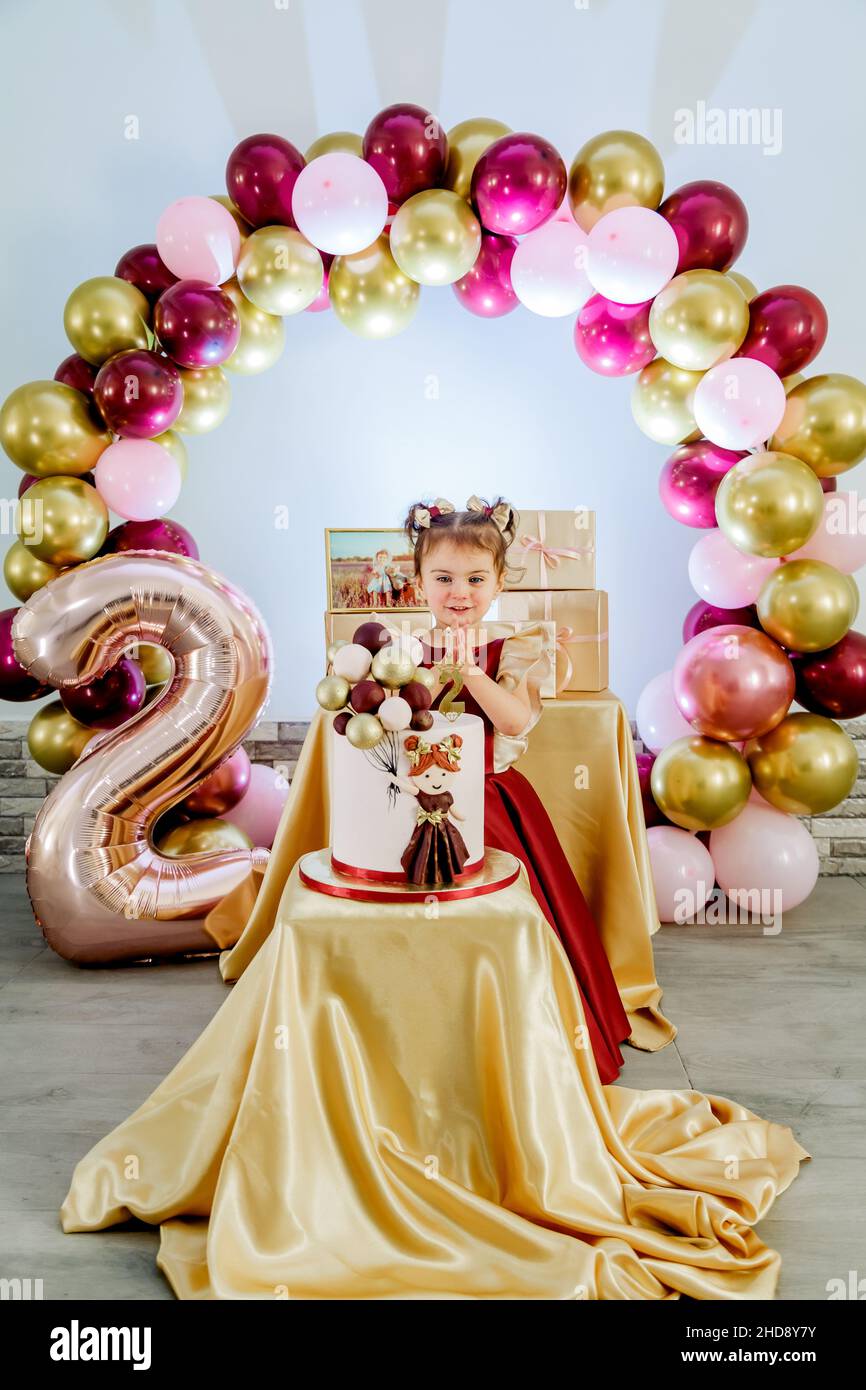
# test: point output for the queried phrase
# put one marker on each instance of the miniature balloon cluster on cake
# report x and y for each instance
(376, 684)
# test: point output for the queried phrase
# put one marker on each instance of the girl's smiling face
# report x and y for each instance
(458, 583)
(436, 780)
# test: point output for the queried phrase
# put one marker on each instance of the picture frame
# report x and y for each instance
(368, 568)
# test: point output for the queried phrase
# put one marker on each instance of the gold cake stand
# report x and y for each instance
(316, 871)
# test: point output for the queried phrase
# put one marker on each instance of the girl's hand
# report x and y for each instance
(458, 651)
(455, 814)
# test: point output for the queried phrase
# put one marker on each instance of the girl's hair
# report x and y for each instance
(437, 755)
(468, 529)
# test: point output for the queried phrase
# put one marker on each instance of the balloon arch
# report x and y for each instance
(358, 225)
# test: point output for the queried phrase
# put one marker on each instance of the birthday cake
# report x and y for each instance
(406, 782)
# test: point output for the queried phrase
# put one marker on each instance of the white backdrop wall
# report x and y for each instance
(345, 432)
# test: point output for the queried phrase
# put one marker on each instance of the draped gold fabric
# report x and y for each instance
(399, 1103)
(598, 823)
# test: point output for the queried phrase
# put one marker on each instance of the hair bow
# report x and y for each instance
(422, 516)
(500, 514)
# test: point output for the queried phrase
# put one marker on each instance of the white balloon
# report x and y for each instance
(339, 203)
(631, 255)
(353, 662)
(682, 870)
(548, 270)
(395, 712)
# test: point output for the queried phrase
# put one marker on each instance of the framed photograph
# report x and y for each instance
(369, 569)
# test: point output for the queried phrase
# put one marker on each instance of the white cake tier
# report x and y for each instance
(372, 818)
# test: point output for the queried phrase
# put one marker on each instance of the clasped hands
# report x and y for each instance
(458, 651)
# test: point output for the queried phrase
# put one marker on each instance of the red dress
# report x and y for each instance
(515, 820)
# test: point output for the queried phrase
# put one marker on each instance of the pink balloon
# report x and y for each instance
(723, 575)
(739, 403)
(767, 854)
(733, 683)
(690, 479)
(322, 299)
(657, 716)
(259, 810)
(486, 289)
(137, 478)
(613, 339)
(518, 183)
(198, 239)
(840, 539)
(339, 203)
(683, 873)
(632, 253)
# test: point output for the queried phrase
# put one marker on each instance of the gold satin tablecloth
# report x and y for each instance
(600, 826)
(394, 1103)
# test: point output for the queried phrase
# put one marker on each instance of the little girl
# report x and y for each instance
(387, 579)
(459, 568)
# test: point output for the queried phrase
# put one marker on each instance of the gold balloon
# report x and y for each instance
(769, 504)
(364, 730)
(62, 521)
(425, 675)
(279, 271)
(806, 605)
(243, 226)
(789, 382)
(46, 428)
(24, 574)
(393, 667)
(206, 399)
(106, 315)
(805, 766)
(661, 402)
(369, 292)
(855, 595)
(156, 664)
(699, 319)
(825, 423)
(617, 169)
(699, 783)
(338, 142)
(332, 692)
(203, 837)
(55, 739)
(749, 288)
(466, 144)
(172, 441)
(263, 336)
(435, 237)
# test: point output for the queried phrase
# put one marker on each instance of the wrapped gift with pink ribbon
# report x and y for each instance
(580, 627)
(552, 550)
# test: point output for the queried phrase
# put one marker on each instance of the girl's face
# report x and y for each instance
(458, 583)
(436, 780)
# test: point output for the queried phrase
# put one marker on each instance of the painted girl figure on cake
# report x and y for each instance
(437, 851)
(460, 567)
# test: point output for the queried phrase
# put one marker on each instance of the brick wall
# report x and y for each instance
(839, 836)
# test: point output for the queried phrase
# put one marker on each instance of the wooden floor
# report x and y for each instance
(773, 1021)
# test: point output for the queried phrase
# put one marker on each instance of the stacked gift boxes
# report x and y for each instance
(551, 578)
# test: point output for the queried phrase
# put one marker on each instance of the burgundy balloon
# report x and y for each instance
(614, 339)
(110, 700)
(29, 479)
(162, 533)
(139, 393)
(705, 615)
(416, 695)
(223, 789)
(828, 484)
(787, 329)
(710, 222)
(341, 720)
(15, 683)
(833, 682)
(366, 697)
(651, 812)
(260, 176)
(422, 719)
(373, 636)
(143, 267)
(408, 149)
(74, 371)
(486, 288)
(197, 324)
(518, 183)
(690, 479)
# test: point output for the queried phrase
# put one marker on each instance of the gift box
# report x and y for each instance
(552, 550)
(343, 626)
(581, 635)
